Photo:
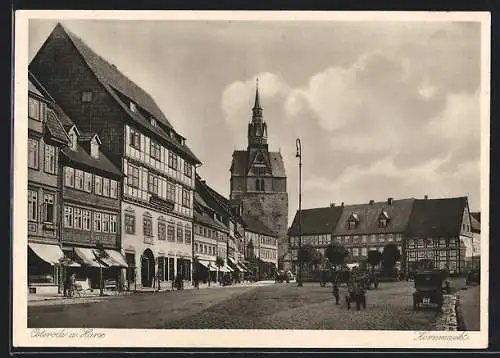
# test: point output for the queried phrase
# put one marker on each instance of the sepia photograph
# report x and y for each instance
(251, 179)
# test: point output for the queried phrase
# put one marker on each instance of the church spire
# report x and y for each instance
(257, 100)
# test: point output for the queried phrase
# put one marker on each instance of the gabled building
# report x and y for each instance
(371, 226)
(157, 191)
(46, 137)
(91, 212)
(317, 228)
(258, 180)
(475, 222)
(440, 230)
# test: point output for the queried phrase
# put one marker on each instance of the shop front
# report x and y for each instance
(44, 262)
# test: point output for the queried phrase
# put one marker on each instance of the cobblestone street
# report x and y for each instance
(273, 306)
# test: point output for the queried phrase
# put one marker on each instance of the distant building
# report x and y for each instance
(318, 226)
(46, 137)
(475, 220)
(258, 181)
(157, 191)
(440, 230)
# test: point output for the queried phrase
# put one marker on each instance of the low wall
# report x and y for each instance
(447, 320)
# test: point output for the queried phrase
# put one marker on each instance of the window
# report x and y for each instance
(452, 243)
(355, 239)
(170, 232)
(48, 208)
(187, 234)
(87, 182)
(185, 198)
(364, 251)
(94, 148)
(129, 224)
(68, 216)
(32, 153)
(453, 254)
(196, 247)
(77, 218)
(112, 224)
(355, 251)
(86, 220)
(188, 170)
(34, 108)
(411, 244)
(86, 96)
(153, 122)
(162, 230)
(147, 226)
(135, 139)
(420, 243)
(32, 205)
(78, 179)
(381, 238)
(171, 191)
(373, 238)
(363, 238)
(105, 222)
(155, 150)
(153, 184)
(382, 223)
(442, 242)
(398, 237)
(133, 107)
(98, 185)
(113, 189)
(390, 237)
(172, 160)
(105, 186)
(442, 255)
(69, 177)
(133, 176)
(352, 224)
(50, 159)
(97, 222)
(180, 233)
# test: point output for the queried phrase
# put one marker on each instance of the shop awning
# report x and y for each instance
(117, 258)
(240, 267)
(205, 264)
(235, 265)
(87, 255)
(48, 253)
(229, 269)
(223, 269)
(212, 267)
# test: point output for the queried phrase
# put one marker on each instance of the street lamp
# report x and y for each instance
(299, 155)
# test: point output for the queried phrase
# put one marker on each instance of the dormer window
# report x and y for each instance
(153, 122)
(73, 138)
(94, 148)
(353, 221)
(383, 219)
(133, 107)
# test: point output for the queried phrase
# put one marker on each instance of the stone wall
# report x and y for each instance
(447, 320)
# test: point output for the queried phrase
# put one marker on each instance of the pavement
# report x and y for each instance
(94, 296)
(261, 305)
(470, 307)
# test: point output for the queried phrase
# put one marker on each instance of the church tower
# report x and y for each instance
(258, 180)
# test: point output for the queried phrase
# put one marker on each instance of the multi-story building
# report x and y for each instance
(475, 221)
(317, 227)
(90, 192)
(371, 226)
(258, 180)
(157, 192)
(210, 237)
(261, 244)
(440, 231)
(45, 138)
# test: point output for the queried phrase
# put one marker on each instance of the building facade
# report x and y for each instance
(476, 240)
(91, 221)
(258, 180)
(46, 137)
(157, 191)
(440, 231)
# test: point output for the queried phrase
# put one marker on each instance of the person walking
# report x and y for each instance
(72, 284)
(336, 292)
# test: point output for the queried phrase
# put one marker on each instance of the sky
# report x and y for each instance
(382, 109)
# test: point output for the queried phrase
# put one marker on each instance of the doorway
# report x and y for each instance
(147, 268)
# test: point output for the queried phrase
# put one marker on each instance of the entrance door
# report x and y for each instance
(147, 268)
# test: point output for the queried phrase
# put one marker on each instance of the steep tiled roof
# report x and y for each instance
(34, 86)
(55, 127)
(476, 215)
(437, 217)
(240, 162)
(316, 221)
(208, 220)
(475, 224)
(255, 225)
(119, 86)
(368, 215)
(80, 155)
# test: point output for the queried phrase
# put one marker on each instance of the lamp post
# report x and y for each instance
(299, 155)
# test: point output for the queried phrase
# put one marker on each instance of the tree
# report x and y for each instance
(374, 257)
(390, 256)
(219, 262)
(100, 254)
(336, 254)
(306, 254)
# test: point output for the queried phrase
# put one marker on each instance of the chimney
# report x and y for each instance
(371, 202)
(389, 201)
(426, 197)
(332, 205)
